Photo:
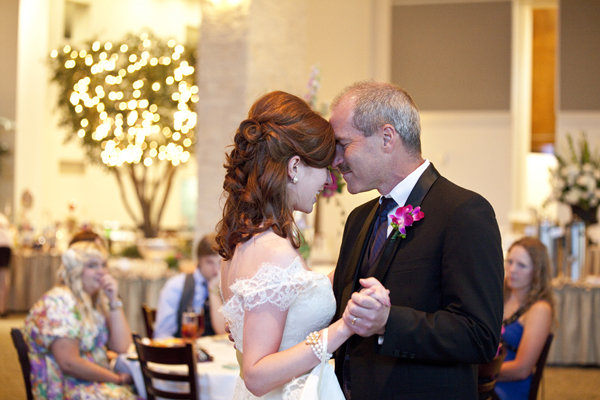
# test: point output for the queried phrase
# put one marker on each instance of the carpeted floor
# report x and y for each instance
(560, 383)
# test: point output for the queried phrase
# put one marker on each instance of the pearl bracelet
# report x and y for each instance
(313, 340)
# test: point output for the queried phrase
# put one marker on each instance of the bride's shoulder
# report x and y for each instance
(266, 249)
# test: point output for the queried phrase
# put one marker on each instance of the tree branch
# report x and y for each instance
(124, 195)
(170, 174)
(156, 183)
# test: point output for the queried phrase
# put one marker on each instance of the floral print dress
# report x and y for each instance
(55, 316)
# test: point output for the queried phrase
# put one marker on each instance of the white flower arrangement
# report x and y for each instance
(576, 180)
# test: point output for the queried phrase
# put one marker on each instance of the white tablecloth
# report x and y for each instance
(32, 274)
(140, 282)
(577, 335)
(216, 379)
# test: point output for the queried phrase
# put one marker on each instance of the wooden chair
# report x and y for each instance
(539, 368)
(21, 346)
(5, 255)
(488, 374)
(149, 315)
(177, 355)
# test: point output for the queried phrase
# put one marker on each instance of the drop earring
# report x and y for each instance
(295, 179)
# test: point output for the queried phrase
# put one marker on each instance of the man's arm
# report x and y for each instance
(467, 326)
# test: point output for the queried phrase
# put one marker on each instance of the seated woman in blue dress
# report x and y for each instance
(528, 315)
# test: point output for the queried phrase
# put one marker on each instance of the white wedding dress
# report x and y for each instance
(307, 296)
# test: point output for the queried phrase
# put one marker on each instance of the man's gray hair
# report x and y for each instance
(378, 103)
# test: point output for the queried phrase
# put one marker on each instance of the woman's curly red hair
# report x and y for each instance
(279, 126)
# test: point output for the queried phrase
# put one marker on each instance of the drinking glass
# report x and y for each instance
(189, 325)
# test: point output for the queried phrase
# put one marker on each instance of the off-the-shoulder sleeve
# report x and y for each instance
(273, 285)
(55, 316)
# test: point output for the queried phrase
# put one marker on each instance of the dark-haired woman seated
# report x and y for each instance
(528, 315)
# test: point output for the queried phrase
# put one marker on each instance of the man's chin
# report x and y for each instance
(352, 189)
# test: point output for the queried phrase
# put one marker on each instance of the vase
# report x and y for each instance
(156, 249)
(588, 216)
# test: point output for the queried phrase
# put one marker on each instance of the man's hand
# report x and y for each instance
(368, 310)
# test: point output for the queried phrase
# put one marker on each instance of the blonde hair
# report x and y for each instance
(74, 260)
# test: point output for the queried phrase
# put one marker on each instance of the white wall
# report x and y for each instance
(473, 149)
(348, 39)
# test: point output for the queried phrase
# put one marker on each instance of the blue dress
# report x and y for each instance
(513, 390)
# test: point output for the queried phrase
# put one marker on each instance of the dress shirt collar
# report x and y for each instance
(402, 190)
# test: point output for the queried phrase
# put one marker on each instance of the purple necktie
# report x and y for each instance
(379, 235)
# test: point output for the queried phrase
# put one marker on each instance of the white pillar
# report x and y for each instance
(31, 138)
(9, 11)
(246, 49)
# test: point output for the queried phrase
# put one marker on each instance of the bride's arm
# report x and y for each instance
(264, 368)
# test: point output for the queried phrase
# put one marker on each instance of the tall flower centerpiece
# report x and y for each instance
(130, 104)
(576, 180)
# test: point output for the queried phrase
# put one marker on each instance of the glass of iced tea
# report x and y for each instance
(189, 325)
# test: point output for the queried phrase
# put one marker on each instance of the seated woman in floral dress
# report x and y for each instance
(68, 329)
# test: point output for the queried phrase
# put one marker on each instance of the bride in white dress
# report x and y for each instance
(272, 301)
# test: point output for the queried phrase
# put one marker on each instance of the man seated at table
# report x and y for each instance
(196, 291)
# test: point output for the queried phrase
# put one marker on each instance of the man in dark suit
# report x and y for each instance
(444, 278)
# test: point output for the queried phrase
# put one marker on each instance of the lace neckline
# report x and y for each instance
(293, 267)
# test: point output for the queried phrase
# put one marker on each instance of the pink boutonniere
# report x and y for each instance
(403, 218)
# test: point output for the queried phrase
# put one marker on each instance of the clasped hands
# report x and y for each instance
(368, 310)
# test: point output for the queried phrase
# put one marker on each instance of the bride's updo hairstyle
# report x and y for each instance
(279, 126)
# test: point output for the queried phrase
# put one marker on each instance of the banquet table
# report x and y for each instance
(140, 281)
(577, 335)
(32, 273)
(216, 379)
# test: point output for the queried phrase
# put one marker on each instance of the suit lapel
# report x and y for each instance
(382, 264)
(356, 256)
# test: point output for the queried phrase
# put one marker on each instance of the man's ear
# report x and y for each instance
(389, 136)
(293, 164)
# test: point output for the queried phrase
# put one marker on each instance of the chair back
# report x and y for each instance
(539, 368)
(21, 346)
(5, 255)
(177, 355)
(488, 374)
(149, 315)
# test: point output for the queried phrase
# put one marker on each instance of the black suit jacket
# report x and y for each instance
(445, 281)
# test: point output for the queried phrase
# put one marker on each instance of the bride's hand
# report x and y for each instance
(367, 311)
(372, 287)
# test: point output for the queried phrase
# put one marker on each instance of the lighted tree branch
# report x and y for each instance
(130, 105)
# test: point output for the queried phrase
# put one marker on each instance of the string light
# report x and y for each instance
(115, 105)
